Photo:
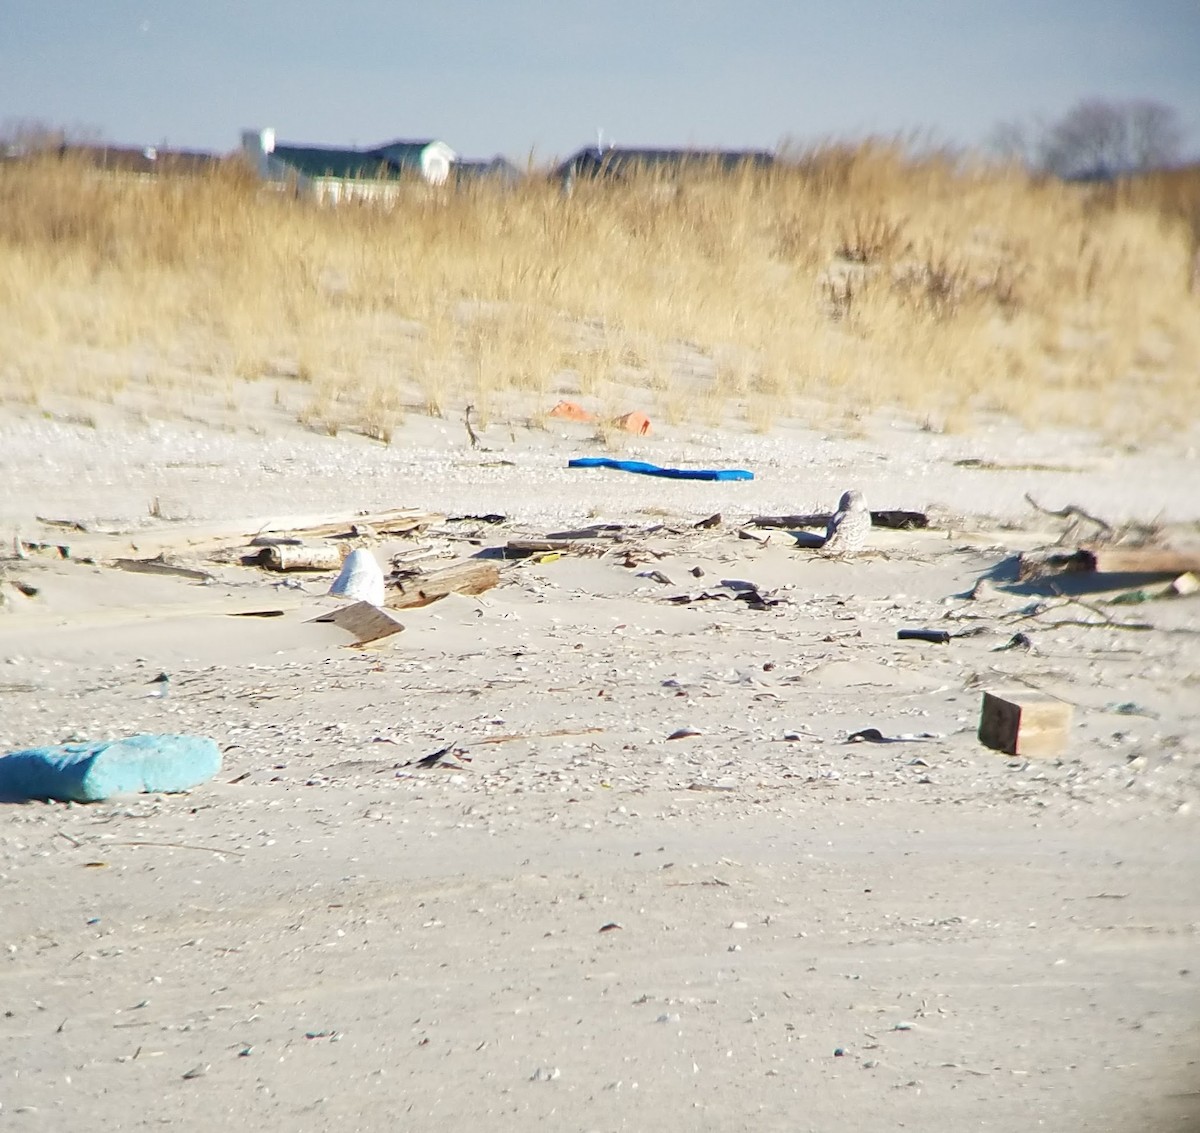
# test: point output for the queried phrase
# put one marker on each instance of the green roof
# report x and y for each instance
(346, 164)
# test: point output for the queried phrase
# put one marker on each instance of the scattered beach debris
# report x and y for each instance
(684, 733)
(875, 736)
(434, 758)
(571, 411)
(753, 536)
(162, 683)
(645, 469)
(1030, 466)
(92, 772)
(1025, 723)
(936, 636)
(1133, 532)
(62, 524)
(23, 548)
(1017, 641)
(1185, 585)
(360, 579)
(731, 590)
(363, 619)
(635, 422)
(1130, 708)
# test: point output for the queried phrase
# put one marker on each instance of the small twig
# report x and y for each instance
(1067, 512)
(467, 421)
(1108, 618)
(182, 846)
(533, 735)
(74, 841)
(1099, 625)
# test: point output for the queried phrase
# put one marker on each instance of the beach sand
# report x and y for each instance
(574, 919)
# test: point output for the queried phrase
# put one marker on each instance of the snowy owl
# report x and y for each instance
(847, 531)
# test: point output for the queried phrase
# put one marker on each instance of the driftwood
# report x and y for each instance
(897, 520)
(160, 565)
(469, 577)
(522, 548)
(289, 556)
(596, 531)
(1071, 511)
(1100, 559)
(403, 521)
(366, 621)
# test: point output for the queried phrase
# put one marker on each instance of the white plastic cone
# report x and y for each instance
(360, 579)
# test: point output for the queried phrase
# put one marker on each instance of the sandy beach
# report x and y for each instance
(653, 882)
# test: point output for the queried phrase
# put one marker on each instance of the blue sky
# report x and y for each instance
(543, 75)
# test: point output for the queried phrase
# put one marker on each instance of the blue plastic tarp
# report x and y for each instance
(654, 470)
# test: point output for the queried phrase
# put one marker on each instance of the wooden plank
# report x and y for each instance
(1024, 723)
(469, 577)
(366, 621)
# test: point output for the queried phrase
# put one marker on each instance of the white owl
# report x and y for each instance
(847, 531)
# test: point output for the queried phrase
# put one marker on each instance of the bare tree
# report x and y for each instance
(1155, 134)
(1013, 140)
(32, 135)
(1095, 139)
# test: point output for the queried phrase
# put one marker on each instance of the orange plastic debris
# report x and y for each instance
(571, 412)
(634, 423)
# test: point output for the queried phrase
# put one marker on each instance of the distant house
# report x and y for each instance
(334, 175)
(140, 162)
(618, 163)
(497, 171)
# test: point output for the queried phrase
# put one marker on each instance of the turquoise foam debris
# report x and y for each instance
(92, 772)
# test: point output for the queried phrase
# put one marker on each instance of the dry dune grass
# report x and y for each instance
(849, 279)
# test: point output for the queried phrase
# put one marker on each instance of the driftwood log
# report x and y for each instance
(290, 556)
(469, 577)
(897, 520)
(1100, 559)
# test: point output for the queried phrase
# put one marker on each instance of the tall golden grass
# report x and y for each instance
(852, 279)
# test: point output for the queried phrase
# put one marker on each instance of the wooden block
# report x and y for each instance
(1024, 723)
